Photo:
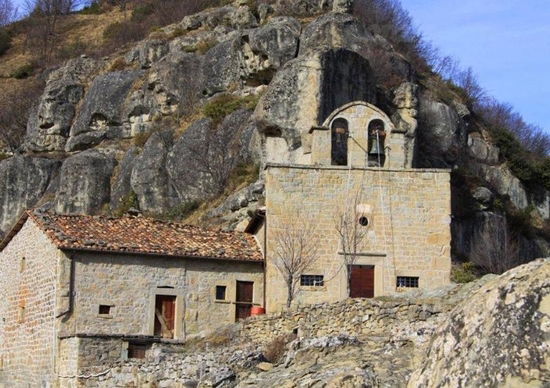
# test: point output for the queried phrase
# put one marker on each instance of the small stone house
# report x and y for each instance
(67, 280)
(356, 163)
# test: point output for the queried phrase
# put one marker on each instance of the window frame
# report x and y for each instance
(407, 281)
(220, 287)
(307, 280)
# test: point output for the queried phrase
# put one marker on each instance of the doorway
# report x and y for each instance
(361, 281)
(165, 316)
(245, 293)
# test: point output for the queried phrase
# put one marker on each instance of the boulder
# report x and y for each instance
(122, 183)
(307, 89)
(49, 123)
(500, 336)
(202, 159)
(24, 181)
(441, 134)
(335, 30)
(149, 179)
(101, 114)
(84, 184)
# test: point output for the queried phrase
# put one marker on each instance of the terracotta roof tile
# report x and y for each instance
(140, 235)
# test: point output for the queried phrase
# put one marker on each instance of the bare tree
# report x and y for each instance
(15, 107)
(495, 247)
(350, 224)
(296, 250)
(8, 12)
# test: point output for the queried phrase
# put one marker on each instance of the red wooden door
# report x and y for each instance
(245, 293)
(362, 281)
(165, 316)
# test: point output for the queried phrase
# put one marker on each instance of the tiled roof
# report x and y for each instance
(140, 235)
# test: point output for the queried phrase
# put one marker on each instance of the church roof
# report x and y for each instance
(143, 236)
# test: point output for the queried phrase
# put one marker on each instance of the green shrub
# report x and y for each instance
(181, 211)
(72, 50)
(126, 203)
(243, 174)
(23, 71)
(5, 41)
(92, 9)
(139, 14)
(223, 105)
(463, 273)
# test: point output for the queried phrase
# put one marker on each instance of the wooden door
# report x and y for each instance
(362, 281)
(165, 316)
(245, 293)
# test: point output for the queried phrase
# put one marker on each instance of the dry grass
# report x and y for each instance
(276, 349)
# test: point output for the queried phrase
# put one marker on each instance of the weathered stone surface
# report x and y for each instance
(335, 30)
(49, 124)
(101, 113)
(203, 157)
(481, 150)
(150, 179)
(84, 185)
(307, 89)
(442, 135)
(147, 52)
(24, 182)
(499, 336)
(122, 185)
(344, 6)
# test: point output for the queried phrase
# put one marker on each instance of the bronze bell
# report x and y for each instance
(375, 148)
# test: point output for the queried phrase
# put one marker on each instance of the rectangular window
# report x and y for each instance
(312, 280)
(220, 292)
(104, 309)
(137, 350)
(407, 281)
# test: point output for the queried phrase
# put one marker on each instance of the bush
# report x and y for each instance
(93, 9)
(72, 50)
(121, 33)
(181, 211)
(126, 203)
(5, 41)
(140, 13)
(23, 71)
(276, 349)
(223, 105)
(463, 273)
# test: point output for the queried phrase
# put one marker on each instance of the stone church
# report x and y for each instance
(78, 289)
(356, 165)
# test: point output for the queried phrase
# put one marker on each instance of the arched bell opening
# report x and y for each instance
(377, 137)
(339, 142)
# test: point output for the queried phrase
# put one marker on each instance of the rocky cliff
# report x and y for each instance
(173, 121)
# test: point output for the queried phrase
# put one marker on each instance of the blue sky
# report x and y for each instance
(506, 42)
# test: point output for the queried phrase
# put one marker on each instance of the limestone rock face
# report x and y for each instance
(442, 133)
(498, 337)
(122, 185)
(149, 179)
(49, 124)
(100, 116)
(201, 160)
(84, 184)
(307, 89)
(335, 30)
(342, 6)
(24, 181)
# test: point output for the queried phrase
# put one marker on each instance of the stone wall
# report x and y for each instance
(102, 361)
(353, 317)
(27, 308)
(129, 285)
(408, 232)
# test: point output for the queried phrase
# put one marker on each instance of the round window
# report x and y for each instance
(364, 221)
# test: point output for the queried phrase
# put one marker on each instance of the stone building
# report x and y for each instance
(78, 288)
(354, 169)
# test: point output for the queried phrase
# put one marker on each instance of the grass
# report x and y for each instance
(219, 107)
(5, 41)
(276, 349)
(23, 71)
